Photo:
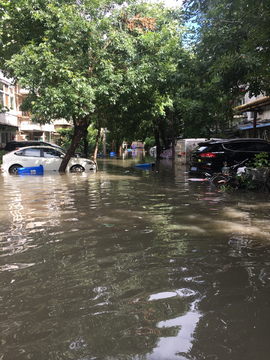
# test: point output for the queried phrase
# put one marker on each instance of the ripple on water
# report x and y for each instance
(138, 266)
(15, 266)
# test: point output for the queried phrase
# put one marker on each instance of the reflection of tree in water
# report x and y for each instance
(128, 292)
(132, 326)
(152, 314)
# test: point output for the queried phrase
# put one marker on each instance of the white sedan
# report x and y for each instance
(50, 158)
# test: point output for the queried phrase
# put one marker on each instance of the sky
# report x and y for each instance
(172, 3)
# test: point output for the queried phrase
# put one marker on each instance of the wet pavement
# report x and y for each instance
(129, 263)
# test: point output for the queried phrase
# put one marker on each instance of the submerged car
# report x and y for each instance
(210, 156)
(50, 158)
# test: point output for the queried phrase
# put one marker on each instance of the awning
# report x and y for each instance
(252, 105)
(251, 126)
(7, 127)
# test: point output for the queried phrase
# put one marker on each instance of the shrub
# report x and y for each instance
(261, 160)
(2, 152)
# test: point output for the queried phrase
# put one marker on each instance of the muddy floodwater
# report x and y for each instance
(129, 263)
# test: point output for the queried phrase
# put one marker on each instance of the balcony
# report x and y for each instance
(29, 125)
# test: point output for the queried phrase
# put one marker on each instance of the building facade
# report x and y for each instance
(14, 123)
(8, 111)
(254, 117)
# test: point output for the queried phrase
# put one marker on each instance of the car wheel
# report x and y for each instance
(14, 169)
(76, 168)
(219, 180)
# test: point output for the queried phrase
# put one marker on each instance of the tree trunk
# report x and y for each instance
(96, 147)
(172, 132)
(80, 127)
(156, 133)
(85, 144)
(104, 142)
(162, 135)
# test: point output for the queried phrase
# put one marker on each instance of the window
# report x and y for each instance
(32, 152)
(7, 97)
(201, 148)
(19, 153)
(1, 94)
(51, 153)
(262, 147)
(214, 148)
(232, 146)
(240, 146)
(217, 148)
(11, 103)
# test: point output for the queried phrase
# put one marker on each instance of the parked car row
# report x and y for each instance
(50, 157)
(210, 156)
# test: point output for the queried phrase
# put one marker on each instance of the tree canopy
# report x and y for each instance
(126, 66)
(66, 54)
(233, 36)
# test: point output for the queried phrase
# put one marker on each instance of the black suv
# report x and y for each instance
(14, 145)
(210, 156)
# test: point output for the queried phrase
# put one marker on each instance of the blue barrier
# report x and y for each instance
(35, 170)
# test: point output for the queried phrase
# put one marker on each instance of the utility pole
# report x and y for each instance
(255, 124)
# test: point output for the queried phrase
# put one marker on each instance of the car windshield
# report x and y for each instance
(201, 148)
(215, 147)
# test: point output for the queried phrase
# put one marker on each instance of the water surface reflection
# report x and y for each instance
(132, 264)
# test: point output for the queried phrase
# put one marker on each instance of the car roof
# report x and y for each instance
(20, 141)
(226, 141)
(38, 147)
(25, 143)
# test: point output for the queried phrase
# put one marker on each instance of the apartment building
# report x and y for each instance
(14, 123)
(254, 117)
(9, 118)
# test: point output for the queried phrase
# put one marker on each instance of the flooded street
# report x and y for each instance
(128, 263)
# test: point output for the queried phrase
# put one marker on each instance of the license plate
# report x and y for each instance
(193, 168)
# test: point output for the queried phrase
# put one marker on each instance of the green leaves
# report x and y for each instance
(234, 36)
(67, 67)
(80, 61)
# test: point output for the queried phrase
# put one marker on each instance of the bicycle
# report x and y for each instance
(259, 181)
(228, 176)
